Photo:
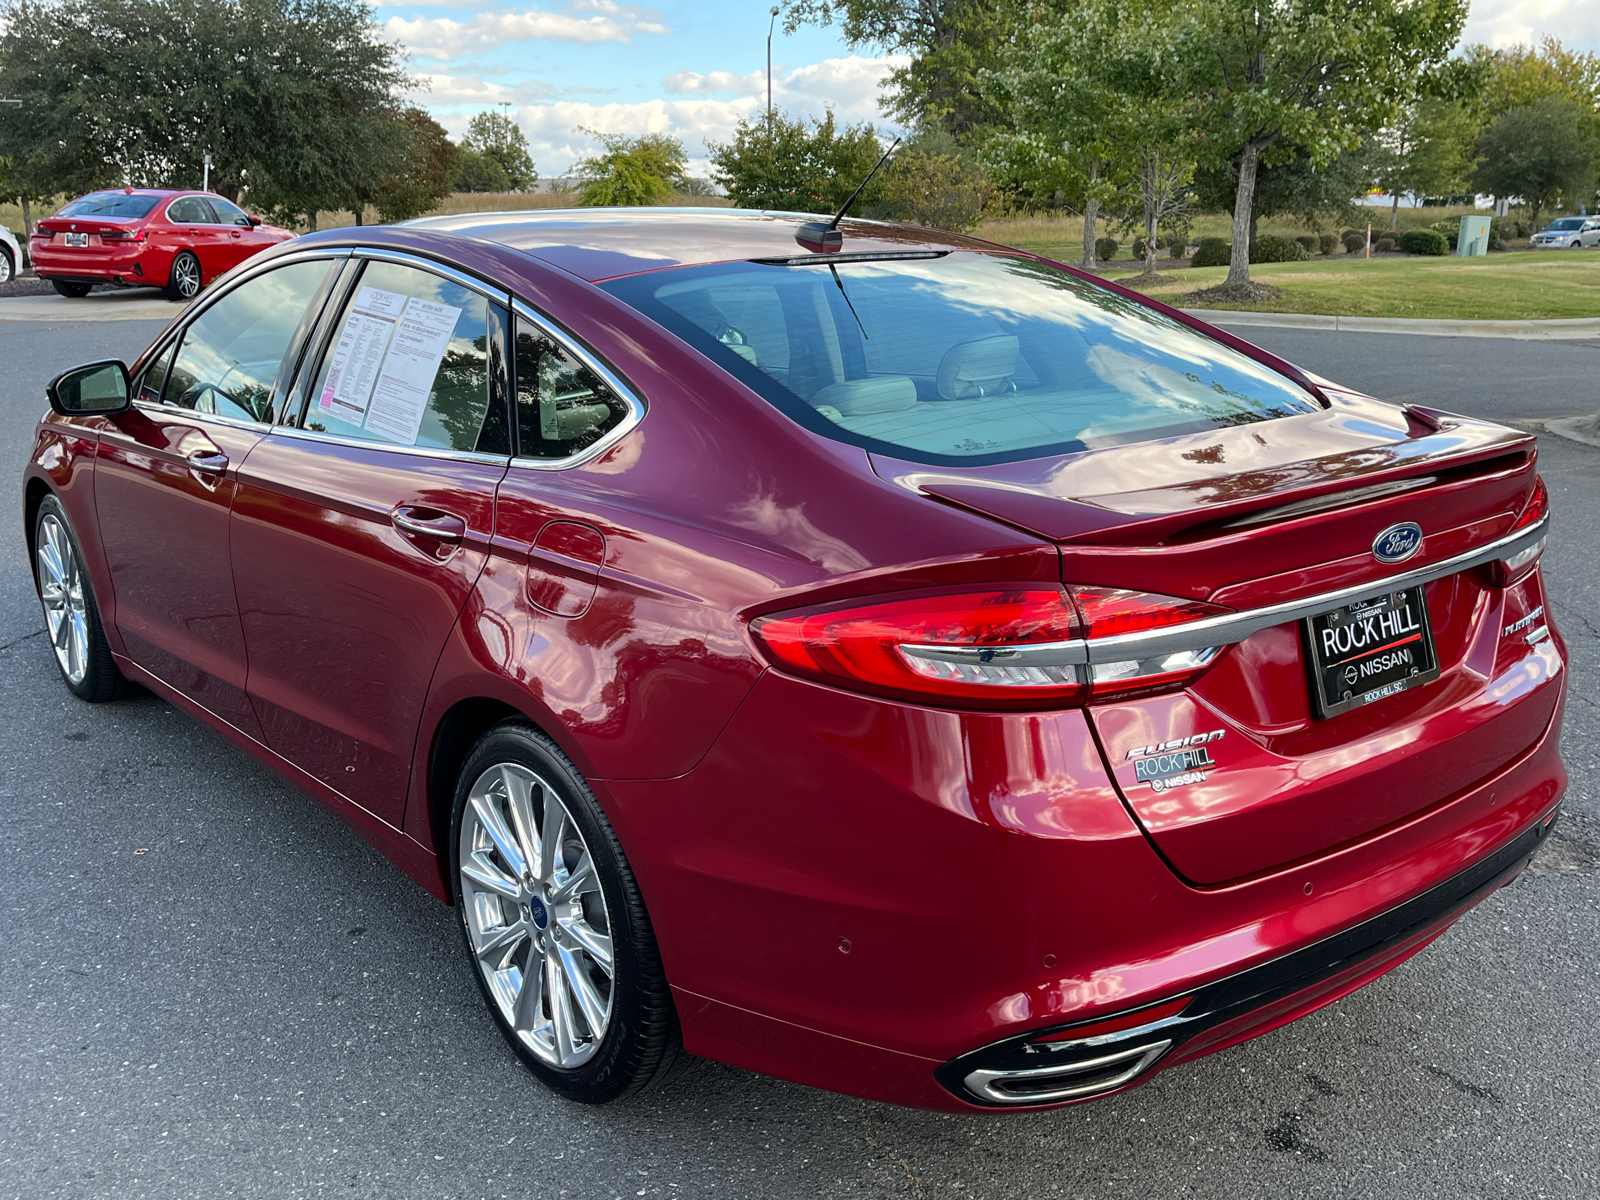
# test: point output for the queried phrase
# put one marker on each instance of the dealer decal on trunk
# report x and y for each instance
(1176, 763)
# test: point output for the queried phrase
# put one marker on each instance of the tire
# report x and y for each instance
(8, 269)
(71, 290)
(71, 616)
(587, 1037)
(184, 279)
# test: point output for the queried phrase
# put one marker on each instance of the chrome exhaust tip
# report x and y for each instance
(1064, 1081)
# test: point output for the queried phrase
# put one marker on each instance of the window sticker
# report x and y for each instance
(386, 361)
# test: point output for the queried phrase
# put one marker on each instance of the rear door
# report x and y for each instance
(362, 524)
(198, 230)
(167, 472)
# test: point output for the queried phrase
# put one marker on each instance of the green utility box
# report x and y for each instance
(1473, 238)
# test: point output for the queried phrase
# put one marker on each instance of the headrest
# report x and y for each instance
(978, 368)
(860, 397)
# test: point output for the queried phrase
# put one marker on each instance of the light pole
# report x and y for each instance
(770, 24)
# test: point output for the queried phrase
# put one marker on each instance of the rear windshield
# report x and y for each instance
(110, 204)
(962, 358)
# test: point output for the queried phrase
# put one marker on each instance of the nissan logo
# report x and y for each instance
(1398, 542)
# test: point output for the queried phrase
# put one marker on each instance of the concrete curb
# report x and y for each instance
(1568, 329)
(1571, 429)
(131, 305)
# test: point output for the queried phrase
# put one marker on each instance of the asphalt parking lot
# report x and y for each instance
(209, 986)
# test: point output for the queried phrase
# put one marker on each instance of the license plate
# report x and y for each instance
(1370, 650)
(77, 239)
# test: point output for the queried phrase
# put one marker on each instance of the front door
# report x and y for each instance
(237, 238)
(199, 231)
(359, 530)
(165, 480)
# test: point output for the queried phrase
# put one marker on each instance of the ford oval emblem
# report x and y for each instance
(1398, 542)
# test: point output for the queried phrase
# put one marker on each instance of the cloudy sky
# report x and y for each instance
(692, 68)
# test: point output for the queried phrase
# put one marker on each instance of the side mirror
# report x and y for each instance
(254, 221)
(94, 389)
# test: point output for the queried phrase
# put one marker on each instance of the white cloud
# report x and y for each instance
(1507, 22)
(850, 85)
(474, 89)
(692, 83)
(443, 38)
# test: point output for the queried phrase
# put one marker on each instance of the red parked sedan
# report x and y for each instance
(139, 237)
(912, 668)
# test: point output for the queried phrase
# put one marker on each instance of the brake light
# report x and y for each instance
(958, 647)
(124, 236)
(1507, 571)
(998, 648)
(1110, 612)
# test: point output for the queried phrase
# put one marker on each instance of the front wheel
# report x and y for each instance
(71, 617)
(554, 922)
(184, 281)
(73, 291)
(7, 267)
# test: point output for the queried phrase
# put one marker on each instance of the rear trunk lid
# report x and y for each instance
(1268, 514)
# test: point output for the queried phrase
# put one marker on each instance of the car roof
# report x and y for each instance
(603, 243)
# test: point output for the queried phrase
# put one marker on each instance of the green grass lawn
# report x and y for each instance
(1525, 286)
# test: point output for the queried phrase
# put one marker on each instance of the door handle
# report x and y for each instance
(440, 527)
(207, 466)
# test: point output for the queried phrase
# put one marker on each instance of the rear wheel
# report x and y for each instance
(554, 923)
(183, 281)
(71, 617)
(7, 267)
(74, 291)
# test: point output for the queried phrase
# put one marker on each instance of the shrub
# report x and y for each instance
(1424, 241)
(1350, 233)
(1269, 248)
(1138, 249)
(1311, 242)
(1212, 252)
(1384, 245)
(1354, 243)
(1105, 249)
(1326, 243)
(939, 190)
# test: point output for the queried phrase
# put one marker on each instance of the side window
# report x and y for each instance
(149, 389)
(190, 210)
(409, 364)
(226, 214)
(230, 354)
(562, 406)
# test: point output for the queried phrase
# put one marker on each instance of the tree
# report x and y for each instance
(1261, 78)
(632, 171)
(427, 169)
(476, 172)
(951, 43)
(795, 166)
(497, 138)
(1538, 152)
(288, 96)
(1430, 151)
(938, 190)
(1077, 79)
(1294, 186)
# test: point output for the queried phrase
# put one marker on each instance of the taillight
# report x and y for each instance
(1000, 648)
(1111, 613)
(962, 646)
(123, 236)
(1507, 571)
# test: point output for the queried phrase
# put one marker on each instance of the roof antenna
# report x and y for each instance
(827, 237)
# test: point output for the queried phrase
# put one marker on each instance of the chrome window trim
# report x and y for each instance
(171, 410)
(487, 290)
(1226, 628)
(636, 407)
(249, 270)
(311, 435)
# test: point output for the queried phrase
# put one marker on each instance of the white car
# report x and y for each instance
(1568, 233)
(10, 256)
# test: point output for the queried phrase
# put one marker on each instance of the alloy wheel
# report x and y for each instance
(535, 915)
(186, 272)
(61, 591)
(6, 268)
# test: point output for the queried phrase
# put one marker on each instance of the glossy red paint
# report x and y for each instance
(848, 890)
(139, 251)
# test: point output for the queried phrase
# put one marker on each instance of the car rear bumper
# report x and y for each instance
(98, 266)
(853, 894)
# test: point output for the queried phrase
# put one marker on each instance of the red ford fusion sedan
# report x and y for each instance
(909, 667)
(176, 241)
